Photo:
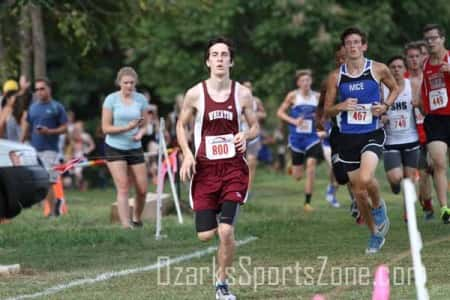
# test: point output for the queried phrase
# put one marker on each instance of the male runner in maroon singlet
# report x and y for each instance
(219, 171)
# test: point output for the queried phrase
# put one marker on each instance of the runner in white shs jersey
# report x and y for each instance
(401, 149)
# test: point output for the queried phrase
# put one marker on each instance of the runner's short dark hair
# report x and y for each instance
(412, 45)
(44, 80)
(354, 30)
(429, 27)
(222, 40)
(390, 60)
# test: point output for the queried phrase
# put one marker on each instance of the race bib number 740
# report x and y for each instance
(220, 146)
(399, 122)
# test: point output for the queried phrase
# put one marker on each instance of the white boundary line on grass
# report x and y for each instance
(106, 276)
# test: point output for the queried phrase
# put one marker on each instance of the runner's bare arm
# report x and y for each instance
(330, 108)
(246, 99)
(260, 111)
(386, 77)
(320, 115)
(187, 113)
(282, 110)
(416, 93)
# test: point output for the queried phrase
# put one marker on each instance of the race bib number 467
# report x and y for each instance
(361, 116)
(220, 146)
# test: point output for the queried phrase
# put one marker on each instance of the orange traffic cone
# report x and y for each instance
(61, 207)
(47, 208)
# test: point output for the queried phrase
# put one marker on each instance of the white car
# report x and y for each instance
(23, 179)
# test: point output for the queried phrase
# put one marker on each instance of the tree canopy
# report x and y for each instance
(164, 40)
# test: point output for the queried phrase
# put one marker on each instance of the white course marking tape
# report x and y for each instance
(106, 276)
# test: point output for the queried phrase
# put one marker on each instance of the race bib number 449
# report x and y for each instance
(361, 116)
(438, 99)
(220, 146)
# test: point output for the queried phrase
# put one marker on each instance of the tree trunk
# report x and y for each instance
(3, 65)
(26, 50)
(40, 69)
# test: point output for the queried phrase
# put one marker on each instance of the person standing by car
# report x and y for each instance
(46, 120)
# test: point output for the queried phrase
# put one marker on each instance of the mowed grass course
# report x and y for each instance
(295, 256)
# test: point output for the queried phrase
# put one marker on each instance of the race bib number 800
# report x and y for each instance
(220, 146)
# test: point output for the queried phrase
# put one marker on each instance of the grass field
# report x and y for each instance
(294, 256)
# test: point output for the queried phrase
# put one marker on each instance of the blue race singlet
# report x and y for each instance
(366, 89)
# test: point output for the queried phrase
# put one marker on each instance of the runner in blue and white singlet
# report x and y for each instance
(358, 144)
(303, 137)
(304, 142)
(364, 87)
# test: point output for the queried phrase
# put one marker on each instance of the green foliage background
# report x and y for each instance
(87, 41)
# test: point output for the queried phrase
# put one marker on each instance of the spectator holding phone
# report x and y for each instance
(46, 121)
(123, 122)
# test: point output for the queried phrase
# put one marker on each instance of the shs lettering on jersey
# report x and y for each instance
(216, 124)
(401, 127)
(365, 88)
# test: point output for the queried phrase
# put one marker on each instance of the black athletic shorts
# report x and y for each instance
(437, 128)
(132, 156)
(208, 219)
(315, 151)
(348, 148)
(423, 159)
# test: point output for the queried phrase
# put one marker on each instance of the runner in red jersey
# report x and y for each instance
(435, 93)
(219, 172)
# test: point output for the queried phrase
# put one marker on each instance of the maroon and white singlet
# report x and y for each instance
(221, 171)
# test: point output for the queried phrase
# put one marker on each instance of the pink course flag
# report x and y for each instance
(381, 285)
(63, 168)
(172, 161)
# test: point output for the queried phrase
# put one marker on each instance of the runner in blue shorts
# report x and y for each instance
(303, 139)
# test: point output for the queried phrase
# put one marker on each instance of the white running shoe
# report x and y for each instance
(223, 293)
(333, 201)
